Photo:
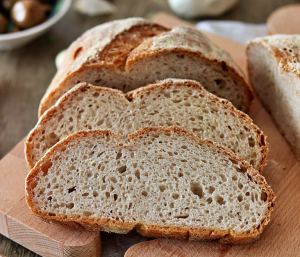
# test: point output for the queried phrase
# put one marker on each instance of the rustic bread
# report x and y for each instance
(127, 54)
(274, 72)
(166, 182)
(184, 103)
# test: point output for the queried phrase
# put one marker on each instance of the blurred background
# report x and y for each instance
(26, 72)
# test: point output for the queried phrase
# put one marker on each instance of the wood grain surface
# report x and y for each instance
(26, 73)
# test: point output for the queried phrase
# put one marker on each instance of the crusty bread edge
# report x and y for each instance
(225, 64)
(229, 237)
(294, 150)
(143, 90)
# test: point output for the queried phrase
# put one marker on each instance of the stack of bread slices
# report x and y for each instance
(133, 134)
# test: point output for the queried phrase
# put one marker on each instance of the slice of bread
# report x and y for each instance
(184, 103)
(274, 72)
(166, 182)
(127, 54)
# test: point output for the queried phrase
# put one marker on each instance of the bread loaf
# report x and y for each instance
(184, 103)
(166, 182)
(274, 72)
(127, 54)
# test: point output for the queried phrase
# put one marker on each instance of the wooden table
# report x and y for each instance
(26, 73)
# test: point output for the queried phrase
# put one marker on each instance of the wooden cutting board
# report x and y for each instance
(279, 239)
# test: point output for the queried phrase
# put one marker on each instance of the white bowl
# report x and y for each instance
(17, 39)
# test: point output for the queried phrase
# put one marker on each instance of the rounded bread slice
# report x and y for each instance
(127, 54)
(184, 103)
(165, 182)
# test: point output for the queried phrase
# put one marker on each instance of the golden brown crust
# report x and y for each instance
(84, 55)
(97, 48)
(147, 229)
(139, 93)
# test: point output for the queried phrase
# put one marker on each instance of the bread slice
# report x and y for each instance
(184, 103)
(127, 54)
(166, 182)
(274, 72)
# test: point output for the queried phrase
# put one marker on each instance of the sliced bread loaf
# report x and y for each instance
(274, 72)
(127, 54)
(184, 103)
(166, 182)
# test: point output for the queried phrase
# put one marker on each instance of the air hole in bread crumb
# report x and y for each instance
(234, 177)
(87, 213)
(196, 188)
(122, 169)
(85, 194)
(240, 198)
(240, 185)
(243, 170)
(251, 142)
(70, 205)
(144, 193)
(220, 200)
(113, 179)
(224, 179)
(264, 196)
(262, 139)
(100, 122)
(211, 189)
(119, 155)
(184, 216)
(162, 188)
(72, 189)
(107, 194)
(95, 194)
(49, 198)
(175, 196)
(180, 174)
(175, 101)
(171, 205)
(46, 166)
(220, 219)
(115, 197)
(137, 174)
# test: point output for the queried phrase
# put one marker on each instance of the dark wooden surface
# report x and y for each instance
(26, 73)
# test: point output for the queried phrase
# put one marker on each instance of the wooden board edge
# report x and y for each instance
(46, 246)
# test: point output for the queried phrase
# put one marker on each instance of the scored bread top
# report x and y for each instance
(163, 182)
(127, 54)
(184, 38)
(169, 102)
(285, 49)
